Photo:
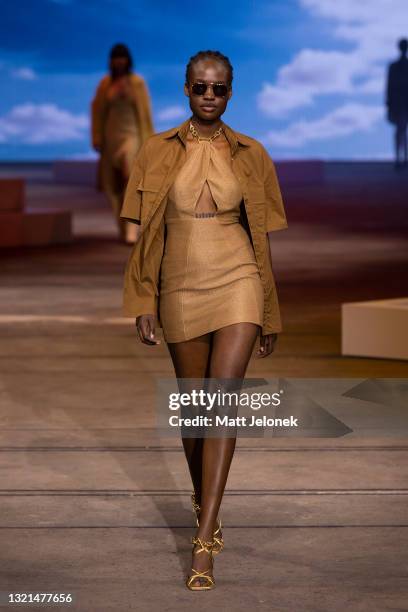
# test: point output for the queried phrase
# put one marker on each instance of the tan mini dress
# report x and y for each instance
(122, 134)
(209, 277)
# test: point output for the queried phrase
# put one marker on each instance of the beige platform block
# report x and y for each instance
(378, 328)
(12, 193)
(35, 228)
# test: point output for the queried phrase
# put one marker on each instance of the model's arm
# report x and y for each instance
(144, 109)
(140, 296)
(97, 114)
(132, 202)
(267, 343)
(275, 212)
(275, 220)
(147, 106)
(388, 90)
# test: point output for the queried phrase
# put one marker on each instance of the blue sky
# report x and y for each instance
(309, 75)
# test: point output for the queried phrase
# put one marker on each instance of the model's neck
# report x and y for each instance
(206, 127)
(115, 76)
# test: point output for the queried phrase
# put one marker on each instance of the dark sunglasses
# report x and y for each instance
(220, 89)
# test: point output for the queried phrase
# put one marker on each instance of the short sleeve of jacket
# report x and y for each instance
(275, 211)
(132, 203)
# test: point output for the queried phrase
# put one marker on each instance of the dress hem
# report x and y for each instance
(170, 338)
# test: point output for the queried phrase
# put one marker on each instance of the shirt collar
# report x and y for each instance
(233, 138)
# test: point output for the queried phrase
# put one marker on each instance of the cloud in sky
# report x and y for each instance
(41, 123)
(310, 73)
(26, 74)
(371, 26)
(342, 121)
(315, 64)
(89, 155)
(363, 12)
(170, 113)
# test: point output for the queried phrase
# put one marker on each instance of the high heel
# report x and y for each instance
(217, 535)
(208, 548)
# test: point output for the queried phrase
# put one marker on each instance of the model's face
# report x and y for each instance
(119, 66)
(208, 106)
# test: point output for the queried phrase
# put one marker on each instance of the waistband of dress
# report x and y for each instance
(215, 218)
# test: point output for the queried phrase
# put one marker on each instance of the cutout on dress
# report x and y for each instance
(206, 213)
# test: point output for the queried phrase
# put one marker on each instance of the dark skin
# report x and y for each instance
(223, 353)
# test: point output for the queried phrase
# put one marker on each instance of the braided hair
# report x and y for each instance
(217, 55)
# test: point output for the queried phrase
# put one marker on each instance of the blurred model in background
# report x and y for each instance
(397, 103)
(121, 122)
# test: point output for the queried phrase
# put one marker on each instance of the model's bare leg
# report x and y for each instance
(125, 169)
(111, 178)
(191, 360)
(231, 351)
(113, 187)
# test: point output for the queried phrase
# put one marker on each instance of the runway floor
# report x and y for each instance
(95, 503)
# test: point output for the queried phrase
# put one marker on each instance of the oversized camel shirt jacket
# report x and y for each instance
(154, 170)
(141, 104)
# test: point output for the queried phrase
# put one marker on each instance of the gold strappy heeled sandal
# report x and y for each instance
(208, 548)
(217, 535)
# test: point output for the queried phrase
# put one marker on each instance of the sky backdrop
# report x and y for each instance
(309, 75)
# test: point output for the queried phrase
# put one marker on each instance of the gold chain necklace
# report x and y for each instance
(197, 135)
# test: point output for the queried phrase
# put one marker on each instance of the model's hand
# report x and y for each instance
(145, 325)
(267, 345)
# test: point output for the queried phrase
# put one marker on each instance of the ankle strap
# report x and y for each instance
(204, 545)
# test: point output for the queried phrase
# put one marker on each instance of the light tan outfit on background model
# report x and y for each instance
(119, 128)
